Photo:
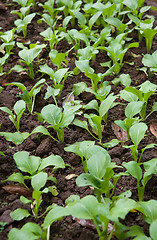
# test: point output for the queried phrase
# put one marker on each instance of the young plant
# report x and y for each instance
(8, 40)
(29, 97)
(135, 170)
(58, 119)
(59, 59)
(28, 56)
(137, 132)
(3, 60)
(35, 167)
(22, 24)
(144, 28)
(117, 49)
(150, 61)
(58, 77)
(94, 120)
(146, 89)
(51, 36)
(19, 109)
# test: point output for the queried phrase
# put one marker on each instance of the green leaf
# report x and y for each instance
(79, 88)
(106, 105)
(52, 114)
(137, 132)
(54, 214)
(133, 108)
(150, 167)
(39, 180)
(149, 210)
(40, 129)
(121, 208)
(86, 208)
(153, 229)
(16, 137)
(128, 96)
(97, 164)
(19, 107)
(19, 214)
(26, 163)
(83, 66)
(52, 160)
(82, 124)
(16, 177)
(134, 169)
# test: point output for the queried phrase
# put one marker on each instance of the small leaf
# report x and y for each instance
(39, 180)
(14, 189)
(137, 132)
(19, 214)
(120, 133)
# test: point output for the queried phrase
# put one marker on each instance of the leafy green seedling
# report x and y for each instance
(35, 167)
(21, 24)
(145, 29)
(100, 213)
(19, 109)
(29, 97)
(3, 60)
(124, 79)
(28, 56)
(29, 230)
(94, 120)
(135, 170)
(150, 61)
(117, 49)
(58, 77)
(137, 132)
(59, 59)
(17, 137)
(58, 119)
(51, 36)
(23, 11)
(146, 89)
(132, 109)
(24, 3)
(8, 40)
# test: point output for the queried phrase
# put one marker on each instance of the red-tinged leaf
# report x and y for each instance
(18, 189)
(153, 129)
(120, 133)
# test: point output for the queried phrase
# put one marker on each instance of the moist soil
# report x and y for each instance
(44, 146)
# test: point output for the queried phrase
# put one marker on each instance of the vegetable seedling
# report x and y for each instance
(135, 170)
(150, 61)
(58, 119)
(29, 97)
(22, 24)
(146, 89)
(19, 109)
(35, 167)
(28, 56)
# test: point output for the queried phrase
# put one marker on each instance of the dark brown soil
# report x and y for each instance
(44, 146)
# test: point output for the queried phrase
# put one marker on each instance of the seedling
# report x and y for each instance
(8, 40)
(29, 97)
(150, 61)
(28, 56)
(22, 24)
(58, 119)
(51, 36)
(135, 170)
(143, 94)
(117, 49)
(35, 167)
(3, 60)
(58, 77)
(94, 120)
(19, 109)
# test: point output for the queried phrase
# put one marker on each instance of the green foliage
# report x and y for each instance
(29, 97)
(19, 109)
(149, 61)
(28, 56)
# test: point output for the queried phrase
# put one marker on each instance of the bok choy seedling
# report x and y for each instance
(29, 97)
(27, 57)
(35, 167)
(146, 89)
(57, 119)
(150, 61)
(135, 170)
(19, 109)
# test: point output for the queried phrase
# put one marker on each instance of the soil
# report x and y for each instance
(43, 146)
